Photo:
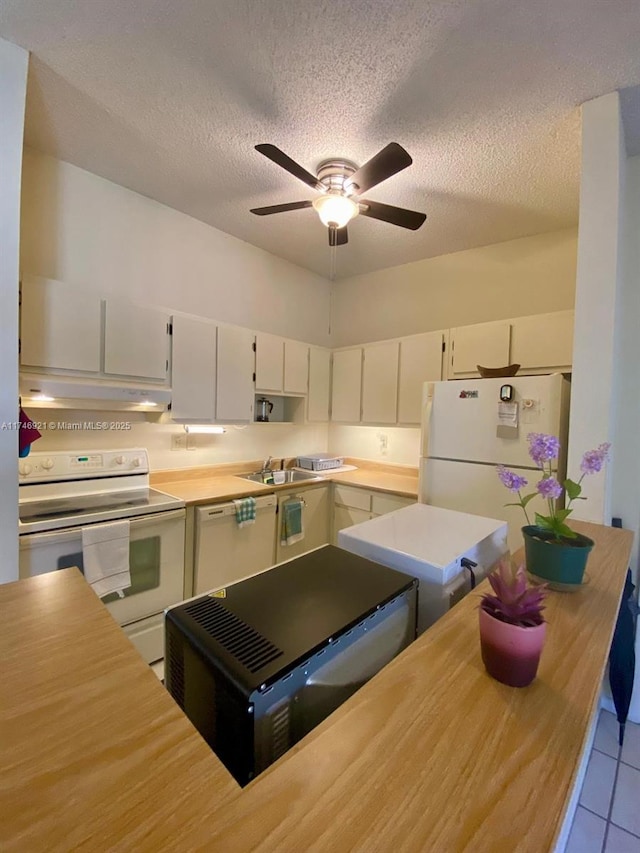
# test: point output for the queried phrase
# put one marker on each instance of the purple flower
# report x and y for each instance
(549, 487)
(542, 447)
(593, 460)
(512, 481)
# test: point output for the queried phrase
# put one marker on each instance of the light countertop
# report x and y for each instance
(430, 755)
(207, 485)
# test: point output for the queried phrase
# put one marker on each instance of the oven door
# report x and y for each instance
(156, 562)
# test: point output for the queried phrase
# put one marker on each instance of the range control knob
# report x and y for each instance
(24, 469)
(136, 463)
(47, 464)
(119, 460)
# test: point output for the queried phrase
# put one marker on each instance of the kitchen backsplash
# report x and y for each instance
(254, 441)
(396, 445)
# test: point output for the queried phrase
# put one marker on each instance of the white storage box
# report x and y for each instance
(320, 462)
(433, 545)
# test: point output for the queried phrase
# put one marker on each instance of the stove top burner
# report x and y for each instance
(78, 510)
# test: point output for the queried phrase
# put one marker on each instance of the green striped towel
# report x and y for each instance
(245, 511)
(292, 530)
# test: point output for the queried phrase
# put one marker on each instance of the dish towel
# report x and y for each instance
(292, 530)
(245, 511)
(105, 554)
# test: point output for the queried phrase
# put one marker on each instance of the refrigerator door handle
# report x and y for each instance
(427, 408)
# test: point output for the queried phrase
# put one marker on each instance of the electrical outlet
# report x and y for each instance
(383, 438)
(179, 441)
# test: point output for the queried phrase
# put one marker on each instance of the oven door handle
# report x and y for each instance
(68, 533)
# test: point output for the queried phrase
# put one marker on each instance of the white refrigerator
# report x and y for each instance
(470, 426)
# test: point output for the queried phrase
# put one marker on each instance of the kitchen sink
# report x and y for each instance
(280, 477)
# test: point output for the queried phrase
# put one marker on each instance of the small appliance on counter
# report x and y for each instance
(259, 664)
(320, 462)
(449, 552)
(264, 408)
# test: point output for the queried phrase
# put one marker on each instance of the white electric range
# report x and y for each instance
(60, 493)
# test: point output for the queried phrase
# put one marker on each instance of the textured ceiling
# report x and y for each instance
(169, 99)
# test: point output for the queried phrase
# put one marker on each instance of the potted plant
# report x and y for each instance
(512, 627)
(553, 551)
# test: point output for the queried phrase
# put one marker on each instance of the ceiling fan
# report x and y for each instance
(341, 184)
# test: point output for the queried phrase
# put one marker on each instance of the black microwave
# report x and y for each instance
(257, 665)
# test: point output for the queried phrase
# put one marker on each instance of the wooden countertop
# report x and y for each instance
(199, 487)
(430, 755)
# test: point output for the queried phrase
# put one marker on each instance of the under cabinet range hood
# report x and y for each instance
(72, 392)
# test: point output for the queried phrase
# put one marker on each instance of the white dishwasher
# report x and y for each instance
(225, 552)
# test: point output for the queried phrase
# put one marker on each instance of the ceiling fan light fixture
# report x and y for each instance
(337, 210)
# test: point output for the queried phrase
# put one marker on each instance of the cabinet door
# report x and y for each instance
(315, 521)
(193, 370)
(384, 502)
(543, 342)
(319, 384)
(234, 372)
(347, 385)
(420, 362)
(344, 516)
(269, 362)
(380, 383)
(136, 340)
(486, 344)
(59, 326)
(296, 367)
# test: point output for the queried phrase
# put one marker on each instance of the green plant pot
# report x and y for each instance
(561, 563)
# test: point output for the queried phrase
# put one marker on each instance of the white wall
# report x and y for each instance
(252, 442)
(605, 394)
(597, 298)
(625, 468)
(532, 275)
(79, 228)
(13, 86)
(394, 445)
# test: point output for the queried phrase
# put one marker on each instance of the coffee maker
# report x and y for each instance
(264, 408)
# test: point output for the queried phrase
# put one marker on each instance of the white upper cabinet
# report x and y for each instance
(235, 366)
(380, 383)
(421, 359)
(269, 362)
(319, 384)
(136, 340)
(347, 385)
(543, 342)
(296, 367)
(486, 344)
(59, 326)
(193, 369)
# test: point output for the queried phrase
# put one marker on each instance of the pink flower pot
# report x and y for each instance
(510, 653)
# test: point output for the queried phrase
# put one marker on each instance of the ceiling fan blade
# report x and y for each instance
(281, 159)
(338, 236)
(391, 160)
(281, 208)
(395, 215)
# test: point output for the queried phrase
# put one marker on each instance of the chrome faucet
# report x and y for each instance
(266, 466)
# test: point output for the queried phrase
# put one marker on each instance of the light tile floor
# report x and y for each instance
(607, 819)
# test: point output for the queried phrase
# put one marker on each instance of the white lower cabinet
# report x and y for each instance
(316, 514)
(353, 506)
